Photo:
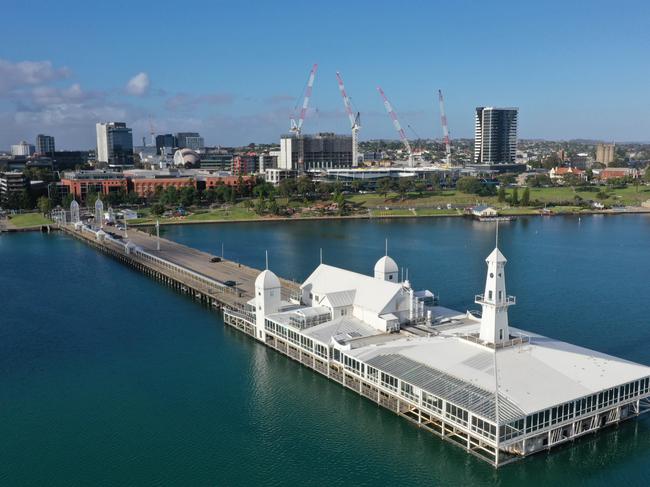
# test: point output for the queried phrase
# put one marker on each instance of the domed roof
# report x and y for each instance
(386, 265)
(186, 156)
(267, 280)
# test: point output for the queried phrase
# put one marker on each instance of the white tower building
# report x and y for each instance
(99, 213)
(267, 299)
(495, 301)
(74, 211)
(386, 269)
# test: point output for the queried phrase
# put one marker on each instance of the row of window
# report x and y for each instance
(586, 405)
(304, 342)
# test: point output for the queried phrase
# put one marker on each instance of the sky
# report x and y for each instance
(235, 71)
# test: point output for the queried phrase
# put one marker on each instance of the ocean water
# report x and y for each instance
(109, 378)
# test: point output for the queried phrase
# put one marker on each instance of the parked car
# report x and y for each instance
(230, 283)
(215, 259)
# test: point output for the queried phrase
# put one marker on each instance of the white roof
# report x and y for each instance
(340, 299)
(267, 280)
(370, 293)
(341, 329)
(532, 376)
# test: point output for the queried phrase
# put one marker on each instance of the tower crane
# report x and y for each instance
(296, 127)
(397, 125)
(355, 121)
(445, 129)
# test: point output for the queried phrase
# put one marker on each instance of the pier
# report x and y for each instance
(183, 268)
(500, 393)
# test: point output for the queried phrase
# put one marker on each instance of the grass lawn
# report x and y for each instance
(29, 220)
(435, 212)
(394, 212)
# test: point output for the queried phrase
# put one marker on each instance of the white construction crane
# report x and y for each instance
(296, 127)
(355, 121)
(445, 129)
(397, 125)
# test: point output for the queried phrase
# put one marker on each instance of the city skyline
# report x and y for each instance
(241, 86)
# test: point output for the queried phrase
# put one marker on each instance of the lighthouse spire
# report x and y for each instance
(495, 301)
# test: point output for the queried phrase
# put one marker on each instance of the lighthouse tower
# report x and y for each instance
(495, 301)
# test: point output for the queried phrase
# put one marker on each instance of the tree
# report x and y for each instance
(525, 198)
(403, 187)
(260, 205)
(91, 198)
(646, 176)
(469, 185)
(305, 187)
(157, 209)
(287, 188)
(383, 186)
(25, 201)
(170, 196)
(514, 198)
(187, 196)
(502, 194)
(420, 187)
(273, 205)
(44, 205)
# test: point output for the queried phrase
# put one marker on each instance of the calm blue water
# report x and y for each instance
(108, 378)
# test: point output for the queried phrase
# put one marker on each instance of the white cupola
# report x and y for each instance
(386, 269)
(495, 301)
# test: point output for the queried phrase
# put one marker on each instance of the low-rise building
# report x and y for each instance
(558, 173)
(80, 183)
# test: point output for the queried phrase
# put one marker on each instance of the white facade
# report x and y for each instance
(102, 142)
(22, 149)
(285, 160)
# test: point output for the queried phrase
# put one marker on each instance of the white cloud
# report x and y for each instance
(30, 73)
(138, 85)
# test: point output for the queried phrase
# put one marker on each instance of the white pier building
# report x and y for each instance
(500, 392)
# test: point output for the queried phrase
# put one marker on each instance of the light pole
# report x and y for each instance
(157, 235)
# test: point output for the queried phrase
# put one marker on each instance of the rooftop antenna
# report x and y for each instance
(386, 247)
(321, 255)
(267, 259)
(497, 235)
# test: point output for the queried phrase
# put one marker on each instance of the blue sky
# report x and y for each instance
(233, 70)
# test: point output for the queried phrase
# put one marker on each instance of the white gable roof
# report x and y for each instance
(369, 293)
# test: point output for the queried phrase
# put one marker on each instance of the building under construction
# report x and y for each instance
(319, 151)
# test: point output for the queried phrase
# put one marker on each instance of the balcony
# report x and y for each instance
(508, 301)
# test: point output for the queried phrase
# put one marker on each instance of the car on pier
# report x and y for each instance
(215, 259)
(230, 283)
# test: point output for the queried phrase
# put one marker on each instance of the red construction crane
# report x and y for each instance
(355, 121)
(397, 125)
(445, 128)
(296, 127)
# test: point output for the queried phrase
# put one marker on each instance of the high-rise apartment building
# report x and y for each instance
(318, 151)
(189, 140)
(114, 143)
(22, 149)
(45, 145)
(495, 136)
(605, 153)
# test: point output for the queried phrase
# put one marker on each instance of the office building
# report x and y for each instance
(605, 153)
(45, 145)
(114, 144)
(319, 151)
(22, 149)
(189, 140)
(165, 143)
(495, 137)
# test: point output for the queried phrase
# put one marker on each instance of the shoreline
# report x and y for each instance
(635, 211)
(533, 213)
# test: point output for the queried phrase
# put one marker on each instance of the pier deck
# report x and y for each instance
(205, 279)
